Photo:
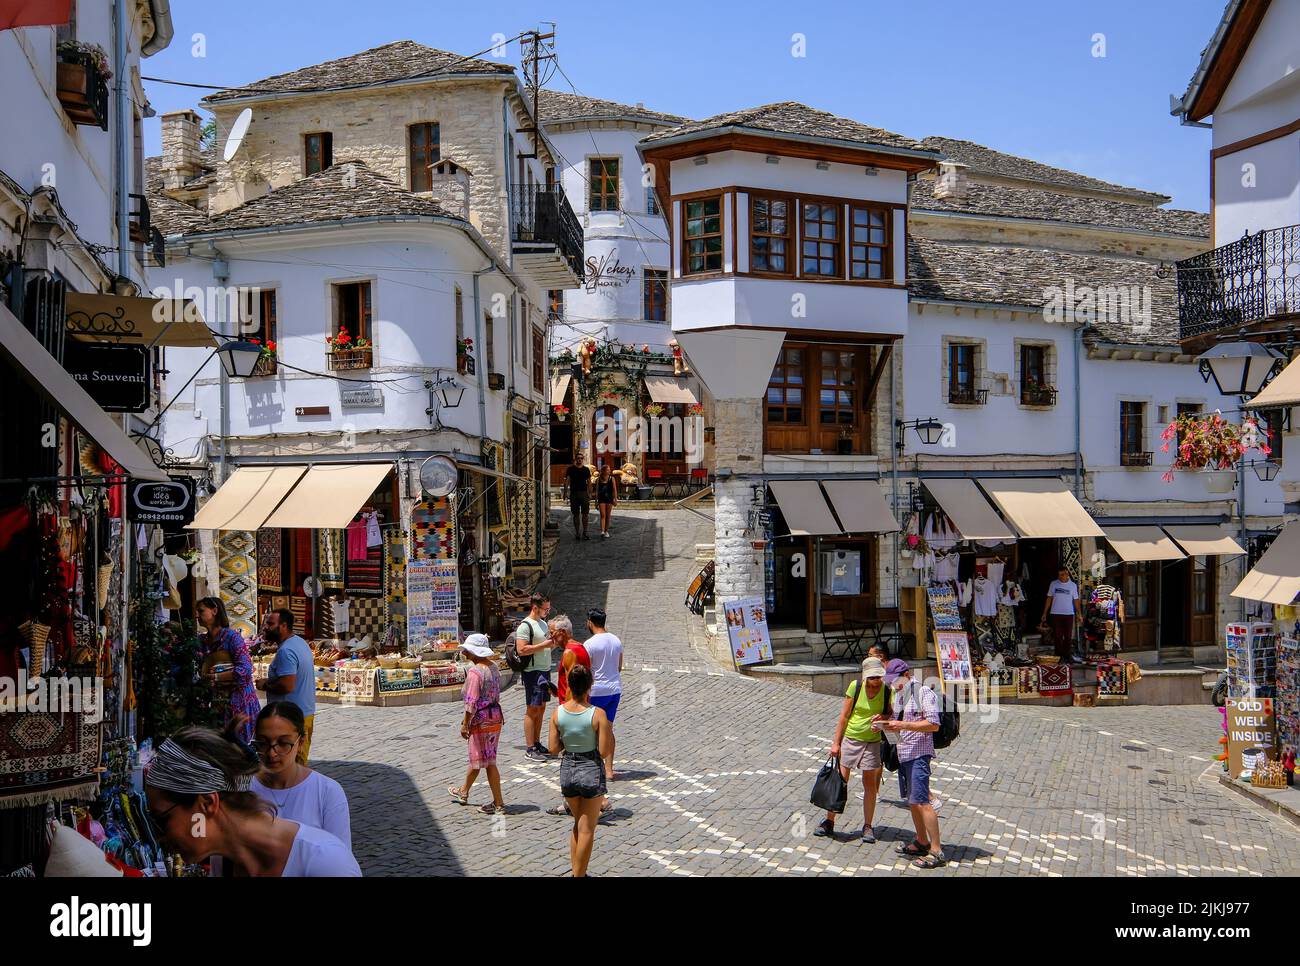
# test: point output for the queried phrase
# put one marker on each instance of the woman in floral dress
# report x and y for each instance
(482, 722)
(236, 697)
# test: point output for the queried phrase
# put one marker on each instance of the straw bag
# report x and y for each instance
(105, 578)
(40, 634)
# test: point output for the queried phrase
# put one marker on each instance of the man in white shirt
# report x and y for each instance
(606, 653)
(1063, 602)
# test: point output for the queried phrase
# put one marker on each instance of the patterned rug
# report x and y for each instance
(1054, 680)
(366, 615)
(399, 679)
(356, 684)
(47, 757)
(525, 525)
(494, 455)
(433, 529)
(1027, 682)
(301, 609)
(1002, 683)
(238, 580)
(395, 580)
(330, 548)
(270, 560)
(1112, 680)
(365, 577)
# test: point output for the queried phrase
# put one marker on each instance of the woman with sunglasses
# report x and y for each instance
(297, 792)
(199, 799)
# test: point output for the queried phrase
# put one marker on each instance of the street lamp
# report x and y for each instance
(1238, 368)
(929, 430)
(239, 358)
(1265, 470)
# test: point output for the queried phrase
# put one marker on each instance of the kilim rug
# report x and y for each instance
(1112, 680)
(433, 529)
(365, 577)
(270, 560)
(47, 757)
(1054, 680)
(238, 579)
(1027, 682)
(441, 675)
(399, 679)
(1002, 683)
(331, 549)
(494, 455)
(366, 616)
(525, 525)
(395, 580)
(356, 684)
(300, 607)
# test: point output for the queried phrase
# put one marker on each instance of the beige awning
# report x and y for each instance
(559, 388)
(804, 508)
(1204, 540)
(666, 389)
(1142, 543)
(247, 498)
(328, 497)
(1284, 390)
(51, 380)
(1276, 578)
(861, 506)
(136, 321)
(970, 510)
(1041, 508)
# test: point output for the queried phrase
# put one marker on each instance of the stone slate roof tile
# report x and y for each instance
(169, 216)
(562, 106)
(791, 117)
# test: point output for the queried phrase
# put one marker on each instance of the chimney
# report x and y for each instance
(180, 148)
(449, 185)
(951, 182)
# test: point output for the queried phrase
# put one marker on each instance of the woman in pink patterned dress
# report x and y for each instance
(482, 722)
(236, 697)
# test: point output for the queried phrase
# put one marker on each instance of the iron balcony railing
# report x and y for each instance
(1254, 278)
(542, 214)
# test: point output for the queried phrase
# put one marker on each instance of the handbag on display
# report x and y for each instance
(830, 791)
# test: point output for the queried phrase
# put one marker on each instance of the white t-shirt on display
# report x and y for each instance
(1063, 596)
(318, 855)
(606, 652)
(318, 801)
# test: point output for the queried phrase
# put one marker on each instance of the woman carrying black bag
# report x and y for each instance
(857, 745)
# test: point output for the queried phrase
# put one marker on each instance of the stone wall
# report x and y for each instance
(738, 448)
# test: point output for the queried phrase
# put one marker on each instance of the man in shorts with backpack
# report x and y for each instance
(533, 645)
(914, 721)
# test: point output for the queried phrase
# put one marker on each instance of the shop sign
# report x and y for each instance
(1251, 726)
(171, 505)
(747, 631)
(363, 397)
(115, 376)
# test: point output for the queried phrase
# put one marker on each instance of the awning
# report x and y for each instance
(666, 389)
(1142, 543)
(804, 508)
(51, 380)
(1204, 540)
(247, 498)
(1041, 508)
(328, 497)
(969, 510)
(1276, 578)
(1284, 390)
(861, 506)
(559, 388)
(488, 471)
(136, 321)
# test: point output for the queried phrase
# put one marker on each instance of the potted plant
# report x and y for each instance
(267, 361)
(844, 445)
(347, 352)
(654, 409)
(464, 354)
(561, 412)
(695, 409)
(82, 80)
(1211, 445)
(1034, 392)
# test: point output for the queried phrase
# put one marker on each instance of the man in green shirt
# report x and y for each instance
(858, 745)
(533, 641)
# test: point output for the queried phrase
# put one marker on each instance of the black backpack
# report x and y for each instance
(513, 659)
(949, 720)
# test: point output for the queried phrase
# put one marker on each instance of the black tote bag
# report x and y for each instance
(830, 791)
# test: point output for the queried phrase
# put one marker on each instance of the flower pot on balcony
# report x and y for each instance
(267, 365)
(844, 447)
(1219, 481)
(350, 359)
(82, 90)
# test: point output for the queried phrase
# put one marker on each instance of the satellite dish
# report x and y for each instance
(438, 475)
(237, 131)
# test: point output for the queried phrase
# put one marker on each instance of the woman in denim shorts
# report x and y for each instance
(582, 732)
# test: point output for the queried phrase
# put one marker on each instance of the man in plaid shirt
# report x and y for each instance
(915, 720)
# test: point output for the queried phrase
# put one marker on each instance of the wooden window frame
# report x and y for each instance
(837, 245)
(803, 368)
(539, 359)
(365, 309)
(325, 152)
(599, 191)
(554, 304)
(489, 343)
(720, 234)
(955, 351)
(1129, 456)
(428, 155)
(652, 278)
(792, 204)
(886, 247)
(854, 387)
(267, 309)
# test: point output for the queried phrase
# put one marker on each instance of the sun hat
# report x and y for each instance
(896, 669)
(873, 667)
(478, 645)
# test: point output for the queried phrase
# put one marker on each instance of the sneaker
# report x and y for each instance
(825, 830)
(541, 750)
(533, 754)
(868, 835)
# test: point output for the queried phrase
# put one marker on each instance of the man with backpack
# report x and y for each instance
(858, 745)
(533, 647)
(916, 721)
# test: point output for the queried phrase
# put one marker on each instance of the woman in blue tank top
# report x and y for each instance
(582, 731)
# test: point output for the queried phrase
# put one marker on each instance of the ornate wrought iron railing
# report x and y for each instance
(1254, 278)
(544, 215)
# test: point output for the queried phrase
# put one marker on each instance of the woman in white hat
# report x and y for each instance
(481, 725)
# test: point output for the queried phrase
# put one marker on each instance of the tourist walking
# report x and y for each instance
(1063, 603)
(228, 668)
(606, 497)
(914, 720)
(606, 653)
(858, 745)
(533, 644)
(578, 478)
(292, 674)
(582, 732)
(298, 793)
(200, 780)
(481, 725)
(573, 655)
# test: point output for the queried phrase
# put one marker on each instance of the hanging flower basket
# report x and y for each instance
(1210, 443)
(654, 409)
(1219, 481)
(561, 412)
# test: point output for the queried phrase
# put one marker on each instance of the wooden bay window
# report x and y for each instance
(702, 235)
(769, 235)
(815, 401)
(822, 240)
(870, 256)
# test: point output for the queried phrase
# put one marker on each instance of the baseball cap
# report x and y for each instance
(872, 667)
(896, 669)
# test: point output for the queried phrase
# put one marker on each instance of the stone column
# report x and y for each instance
(738, 447)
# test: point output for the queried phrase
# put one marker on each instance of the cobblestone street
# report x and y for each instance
(715, 768)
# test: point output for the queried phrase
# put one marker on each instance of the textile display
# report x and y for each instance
(433, 529)
(366, 615)
(238, 579)
(270, 560)
(943, 607)
(1071, 552)
(1288, 693)
(356, 539)
(329, 548)
(1054, 680)
(356, 683)
(365, 576)
(396, 679)
(1027, 682)
(327, 680)
(300, 608)
(494, 455)
(1112, 680)
(1002, 682)
(432, 603)
(441, 674)
(525, 525)
(47, 757)
(395, 580)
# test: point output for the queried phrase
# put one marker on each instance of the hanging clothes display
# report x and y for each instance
(1103, 617)
(374, 536)
(357, 540)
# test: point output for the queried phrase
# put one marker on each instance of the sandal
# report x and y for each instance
(560, 809)
(492, 808)
(457, 796)
(914, 848)
(931, 860)
(606, 808)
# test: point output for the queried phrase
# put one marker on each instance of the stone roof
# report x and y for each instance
(985, 160)
(791, 117)
(1010, 275)
(561, 106)
(169, 216)
(345, 191)
(1015, 202)
(399, 60)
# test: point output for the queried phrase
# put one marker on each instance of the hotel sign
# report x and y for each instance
(115, 376)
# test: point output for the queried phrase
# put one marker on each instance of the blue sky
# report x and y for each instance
(1016, 75)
